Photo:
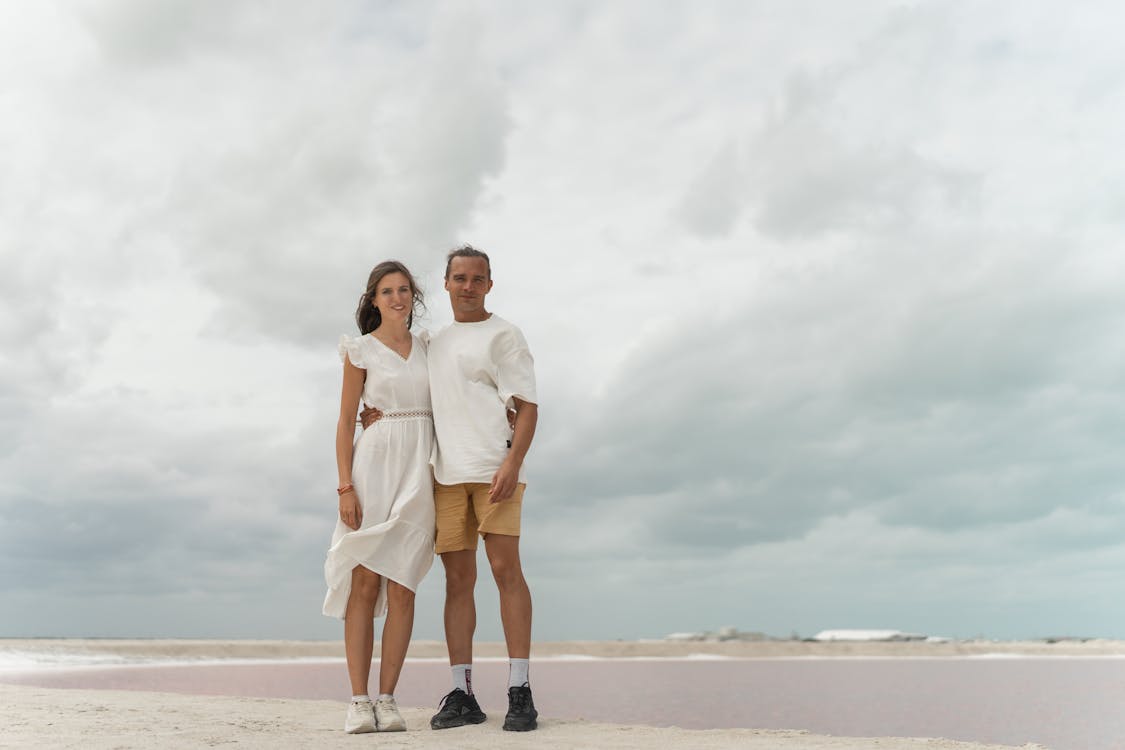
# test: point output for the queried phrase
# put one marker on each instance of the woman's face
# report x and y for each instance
(393, 298)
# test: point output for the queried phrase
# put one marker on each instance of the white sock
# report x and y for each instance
(517, 672)
(357, 698)
(386, 696)
(463, 677)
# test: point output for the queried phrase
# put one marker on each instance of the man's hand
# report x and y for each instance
(370, 415)
(350, 511)
(522, 419)
(504, 482)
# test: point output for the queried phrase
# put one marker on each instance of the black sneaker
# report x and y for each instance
(521, 710)
(457, 709)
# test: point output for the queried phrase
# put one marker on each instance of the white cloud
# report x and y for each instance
(823, 300)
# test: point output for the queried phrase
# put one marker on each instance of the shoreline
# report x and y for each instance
(104, 719)
(284, 650)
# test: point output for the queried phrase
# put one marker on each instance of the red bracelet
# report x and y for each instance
(345, 488)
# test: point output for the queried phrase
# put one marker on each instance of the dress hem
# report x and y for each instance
(410, 571)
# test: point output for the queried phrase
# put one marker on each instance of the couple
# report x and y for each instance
(442, 400)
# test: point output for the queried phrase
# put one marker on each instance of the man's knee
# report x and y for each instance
(505, 563)
(505, 573)
(460, 571)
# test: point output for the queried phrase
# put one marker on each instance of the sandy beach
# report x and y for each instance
(50, 714)
(104, 719)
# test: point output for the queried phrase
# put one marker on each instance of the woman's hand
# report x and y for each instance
(350, 511)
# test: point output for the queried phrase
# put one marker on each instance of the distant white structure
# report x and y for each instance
(867, 635)
(685, 637)
(726, 633)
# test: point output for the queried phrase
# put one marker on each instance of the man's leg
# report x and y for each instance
(459, 707)
(460, 607)
(501, 526)
(515, 597)
(515, 614)
(457, 544)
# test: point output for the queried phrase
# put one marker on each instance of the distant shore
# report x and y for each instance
(191, 649)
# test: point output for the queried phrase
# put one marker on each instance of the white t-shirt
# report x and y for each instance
(476, 369)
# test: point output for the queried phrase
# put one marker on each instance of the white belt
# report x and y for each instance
(408, 414)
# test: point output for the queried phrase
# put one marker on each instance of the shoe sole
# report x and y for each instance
(361, 729)
(398, 725)
(521, 725)
(462, 721)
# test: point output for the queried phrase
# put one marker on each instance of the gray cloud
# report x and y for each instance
(330, 190)
(134, 34)
(712, 203)
(939, 401)
(261, 148)
(822, 302)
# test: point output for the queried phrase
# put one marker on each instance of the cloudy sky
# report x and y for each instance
(824, 298)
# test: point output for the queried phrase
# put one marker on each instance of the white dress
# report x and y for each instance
(391, 474)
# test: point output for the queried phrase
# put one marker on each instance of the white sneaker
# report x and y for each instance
(361, 717)
(387, 717)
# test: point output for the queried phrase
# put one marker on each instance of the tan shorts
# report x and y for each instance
(464, 513)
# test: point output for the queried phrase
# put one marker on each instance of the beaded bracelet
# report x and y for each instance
(346, 488)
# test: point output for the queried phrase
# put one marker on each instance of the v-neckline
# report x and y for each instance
(392, 350)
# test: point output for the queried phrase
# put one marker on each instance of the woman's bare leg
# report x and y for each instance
(359, 627)
(396, 635)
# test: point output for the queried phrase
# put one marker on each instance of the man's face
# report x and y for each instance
(467, 284)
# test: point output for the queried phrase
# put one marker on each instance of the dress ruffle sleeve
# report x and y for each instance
(349, 347)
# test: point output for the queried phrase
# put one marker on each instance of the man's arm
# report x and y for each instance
(504, 481)
(370, 415)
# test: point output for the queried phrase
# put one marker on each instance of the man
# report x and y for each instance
(480, 368)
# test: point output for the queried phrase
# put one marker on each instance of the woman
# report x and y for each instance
(383, 544)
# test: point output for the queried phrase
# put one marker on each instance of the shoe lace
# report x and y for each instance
(358, 709)
(453, 700)
(519, 699)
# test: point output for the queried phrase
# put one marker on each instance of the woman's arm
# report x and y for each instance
(350, 511)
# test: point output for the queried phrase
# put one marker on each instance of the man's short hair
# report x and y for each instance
(466, 251)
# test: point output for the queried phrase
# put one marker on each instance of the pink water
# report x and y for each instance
(1063, 704)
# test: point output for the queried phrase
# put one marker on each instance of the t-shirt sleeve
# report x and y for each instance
(349, 347)
(515, 369)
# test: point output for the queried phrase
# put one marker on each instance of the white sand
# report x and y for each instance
(110, 719)
(101, 719)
